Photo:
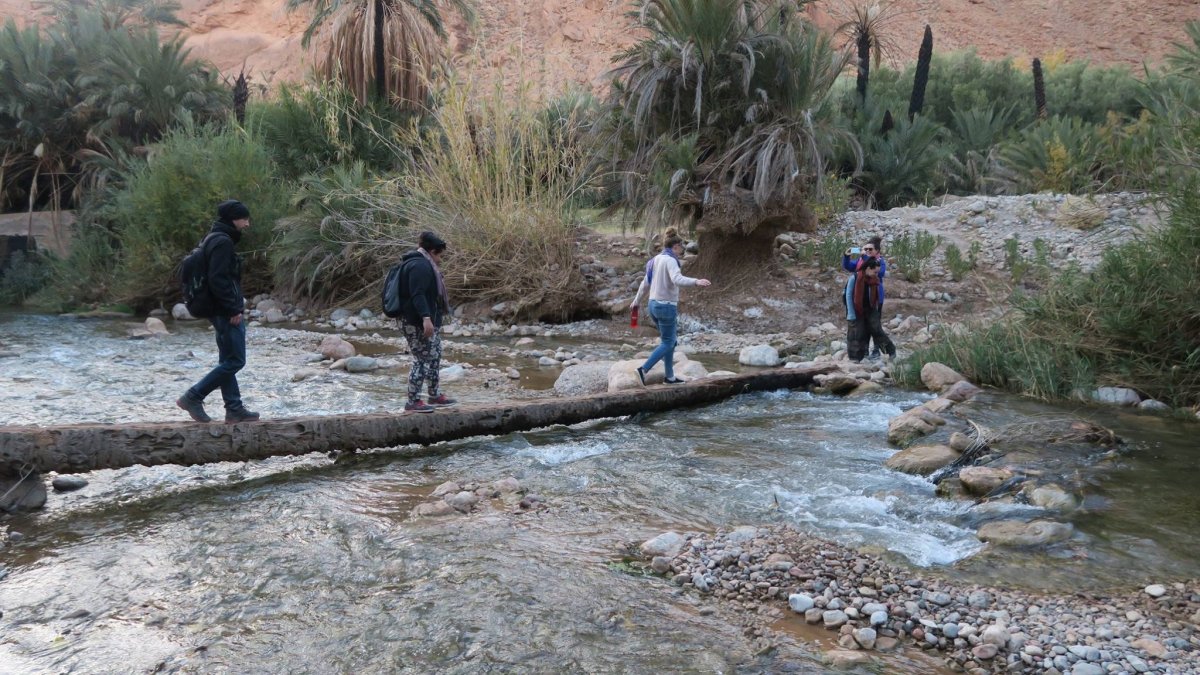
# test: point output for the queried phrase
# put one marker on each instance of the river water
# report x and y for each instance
(310, 566)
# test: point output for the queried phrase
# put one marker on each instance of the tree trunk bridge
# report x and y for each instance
(85, 447)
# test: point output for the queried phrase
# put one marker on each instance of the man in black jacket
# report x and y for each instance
(424, 303)
(225, 285)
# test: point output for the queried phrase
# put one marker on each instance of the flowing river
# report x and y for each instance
(306, 565)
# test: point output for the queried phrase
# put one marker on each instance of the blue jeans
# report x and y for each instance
(231, 350)
(665, 316)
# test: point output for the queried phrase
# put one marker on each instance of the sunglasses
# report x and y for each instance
(868, 248)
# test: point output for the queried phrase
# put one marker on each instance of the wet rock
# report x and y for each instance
(985, 652)
(1156, 590)
(583, 379)
(305, 374)
(434, 510)
(336, 348)
(1084, 668)
(878, 617)
(981, 480)
(28, 494)
(921, 459)
(961, 391)
(274, 315)
(548, 362)
(911, 425)
(452, 373)
(363, 364)
(1151, 404)
(996, 635)
(938, 405)
(838, 383)
(512, 373)
(1116, 396)
(340, 314)
(463, 501)
(887, 644)
(1052, 497)
(180, 312)
(759, 355)
(1018, 533)
(846, 659)
(800, 602)
(960, 442)
(507, 485)
(938, 376)
(979, 599)
(68, 483)
(660, 564)
(666, 544)
(1151, 647)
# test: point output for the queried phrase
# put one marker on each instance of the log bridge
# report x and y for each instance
(78, 448)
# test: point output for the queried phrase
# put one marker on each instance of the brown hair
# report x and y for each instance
(671, 237)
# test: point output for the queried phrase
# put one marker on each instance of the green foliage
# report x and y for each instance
(1016, 263)
(310, 129)
(84, 277)
(974, 136)
(956, 264)
(1061, 154)
(724, 93)
(25, 274)
(168, 204)
(830, 249)
(834, 200)
(93, 86)
(901, 166)
(912, 252)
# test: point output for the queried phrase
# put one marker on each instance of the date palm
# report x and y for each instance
(381, 49)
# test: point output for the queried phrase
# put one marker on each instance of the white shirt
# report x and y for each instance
(667, 278)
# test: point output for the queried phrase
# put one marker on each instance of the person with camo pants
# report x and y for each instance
(425, 302)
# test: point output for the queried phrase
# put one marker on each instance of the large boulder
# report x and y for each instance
(1051, 497)
(361, 364)
(156, 326)
(622, 375)
(961, 391)
(583, 379)
(922, 459)
(759, 355)
(667, 544)
(982, 480)
(938, 376)
(181, 313)
(913, 424)
(838, 383)
(336, 348)
(1018, 533)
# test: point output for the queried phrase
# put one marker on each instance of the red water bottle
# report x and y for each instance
(633, 317)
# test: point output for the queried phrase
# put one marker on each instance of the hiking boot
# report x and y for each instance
(418, 406)
(441, 401)
(194, 408)
(235, 415)
(674, 380)
(875, 355)
(641, 376)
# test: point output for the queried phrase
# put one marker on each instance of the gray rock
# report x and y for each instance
(938, 376)
(980, 599)
(1017, 533)
(463, 501)
(700, 582)
(336, 348)
(759, 355)
(666, 544)
(274, 315)
(1156, 590)
(961, 391)
(878, 618)
(834, 618)
(1151, 404)
(447, 488)
(512, 373)
(68, 483)
(800, 602)
(28, 494)
(361, 364)
(985, 652)
(660, 564)
(548, 361)
(434, 510)
(938, 598)
(921, 459)
(1052, 497)
(813, 615)
(340, 314)
(1084, 668)
(583, 379)
(950, 630)
(452, 373)
(865, 637)
(180, 312)
(742, 534)
(997, 635)
(507, 485)
(1116, 396)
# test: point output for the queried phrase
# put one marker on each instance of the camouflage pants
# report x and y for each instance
(427, 360)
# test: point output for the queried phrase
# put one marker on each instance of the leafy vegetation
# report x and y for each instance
(912, 252)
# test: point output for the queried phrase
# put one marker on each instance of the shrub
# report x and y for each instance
(1059, 154)
(169, 202)
(25, 275)
(1016, 263)
(974, 136)
(911, 252)
(956, 264)
(831, 248)
(901, 166)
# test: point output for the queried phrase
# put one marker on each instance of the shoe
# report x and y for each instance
(674, 380)
(441, 401)
(193, 408)
(641, 376)
(875, 354)
(418, 406)
(235, 415)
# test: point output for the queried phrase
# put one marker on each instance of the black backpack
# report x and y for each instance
(193, 279)
(394, 292)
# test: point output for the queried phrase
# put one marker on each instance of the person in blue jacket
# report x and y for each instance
(864, 312)
(852, 262)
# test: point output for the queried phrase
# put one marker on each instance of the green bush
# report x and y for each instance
(912, 252)
(168, 204)
(974, 137)
(25, 274)
(307, 130)
(900, 166)
(85, 276)
(1060, 154)
(956, 264)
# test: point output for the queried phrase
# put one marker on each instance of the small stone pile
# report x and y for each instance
(878, 607)
(453, 498)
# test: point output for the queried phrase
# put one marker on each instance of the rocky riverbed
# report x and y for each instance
(876, 608)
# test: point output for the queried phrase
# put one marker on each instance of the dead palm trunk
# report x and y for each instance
(380, 54)
(241, 94)
(1039, 90)
(921, 77)
(864, 64)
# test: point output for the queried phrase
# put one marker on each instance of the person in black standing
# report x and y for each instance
(425, 302)
(225, 286)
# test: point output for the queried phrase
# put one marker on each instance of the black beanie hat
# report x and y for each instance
(431, 242)
(231, 210)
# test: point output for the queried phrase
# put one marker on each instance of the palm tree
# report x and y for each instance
(865, 30)
(382, 49)
(717, 121)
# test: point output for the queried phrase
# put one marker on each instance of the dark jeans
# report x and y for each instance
(665, 316)
(865, 329)
(231, 350)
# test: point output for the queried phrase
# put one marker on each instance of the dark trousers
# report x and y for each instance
(231, 350)
(860, 331)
